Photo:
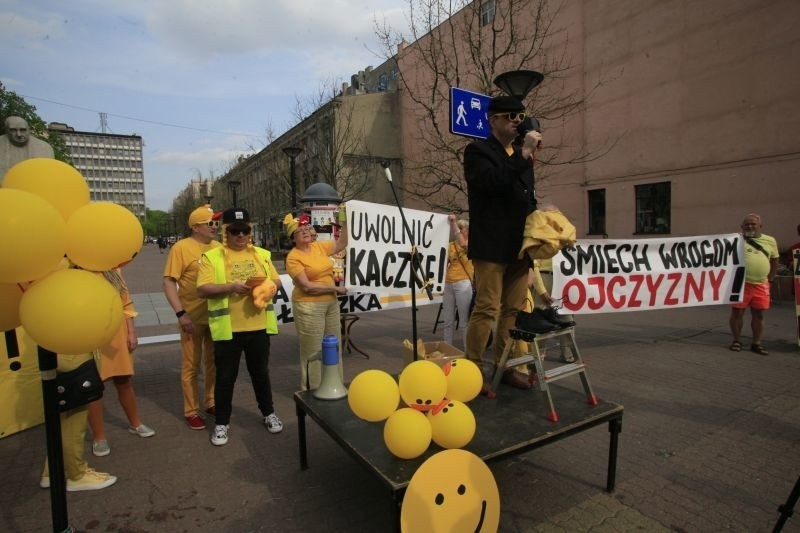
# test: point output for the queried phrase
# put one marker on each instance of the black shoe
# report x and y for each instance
(534, 322)
(551, 315)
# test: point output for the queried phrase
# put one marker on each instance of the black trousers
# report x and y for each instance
(227, 354)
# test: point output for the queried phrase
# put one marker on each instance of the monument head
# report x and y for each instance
(17, 130)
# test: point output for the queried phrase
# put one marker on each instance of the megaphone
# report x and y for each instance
(331, 386)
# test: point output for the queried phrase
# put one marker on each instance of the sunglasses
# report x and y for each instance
(213, 223)
(511, 116)
(237, 232)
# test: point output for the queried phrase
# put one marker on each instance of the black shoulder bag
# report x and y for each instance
(79, 386)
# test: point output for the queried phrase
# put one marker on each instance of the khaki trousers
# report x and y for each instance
(501, 290)
(314, 320)
(197, 349)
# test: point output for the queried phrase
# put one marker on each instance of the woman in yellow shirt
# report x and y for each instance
(315, 306)
(458, 284)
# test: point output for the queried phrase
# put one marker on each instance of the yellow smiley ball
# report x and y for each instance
(58, 183)
(71, 311)
(102, 236)
(451, 492)
(373, 395)
(32, 236)
(464, 379)
(453, 424)
(407, 433)
(422, 385)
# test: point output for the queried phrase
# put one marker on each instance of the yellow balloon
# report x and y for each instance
(451, 491)
(102, 236)
(71, 311)
(58, 183)
(32, 236)
(453, 424)
(407, 433)
(373, 395)
(10, 295)
(422, 385)
(464, 379)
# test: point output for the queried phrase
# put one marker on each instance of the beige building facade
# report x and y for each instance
(687, 115)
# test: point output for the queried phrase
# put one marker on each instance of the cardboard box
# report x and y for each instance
(448, 352)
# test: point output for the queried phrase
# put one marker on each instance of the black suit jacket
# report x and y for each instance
(501, 195)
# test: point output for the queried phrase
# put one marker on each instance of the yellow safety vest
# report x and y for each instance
(219, 314)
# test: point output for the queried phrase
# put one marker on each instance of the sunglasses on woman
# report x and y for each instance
(241, 231)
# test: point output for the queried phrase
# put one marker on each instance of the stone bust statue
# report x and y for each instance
(18, 144)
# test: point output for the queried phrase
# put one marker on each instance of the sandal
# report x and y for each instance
(759, 349)
(735, 346)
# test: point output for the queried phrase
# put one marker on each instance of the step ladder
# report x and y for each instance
(534, 359)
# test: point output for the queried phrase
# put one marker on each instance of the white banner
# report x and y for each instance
(379, 249)
(605, 276)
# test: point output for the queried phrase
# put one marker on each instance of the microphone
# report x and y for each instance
(385, 165)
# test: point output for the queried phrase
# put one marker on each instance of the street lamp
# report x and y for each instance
(293, 152)
(233, 185)
(208, 195)
(518, 83)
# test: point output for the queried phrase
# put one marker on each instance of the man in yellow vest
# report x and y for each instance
(238, 322)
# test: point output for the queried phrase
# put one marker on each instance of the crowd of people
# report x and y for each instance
(216, 290)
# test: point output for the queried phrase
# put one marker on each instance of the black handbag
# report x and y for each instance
(79, 386)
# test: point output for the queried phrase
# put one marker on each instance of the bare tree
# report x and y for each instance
(466, 44)
(335, 150)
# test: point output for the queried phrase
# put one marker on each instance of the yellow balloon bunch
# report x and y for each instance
(45, 215)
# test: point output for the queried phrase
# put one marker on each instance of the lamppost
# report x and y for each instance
(293, 152)
(208, 195)
(518, 83)
(233, 185)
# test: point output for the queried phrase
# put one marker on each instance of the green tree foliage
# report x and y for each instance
(156, 223)
(12, 104)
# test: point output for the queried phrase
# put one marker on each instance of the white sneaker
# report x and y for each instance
(273, 423)
(91, 480)
(142, 430)
(220, 436)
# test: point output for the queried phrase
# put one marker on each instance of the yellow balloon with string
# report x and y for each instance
(32, 236)
(71, 311)
(56, 182)
(102, 236)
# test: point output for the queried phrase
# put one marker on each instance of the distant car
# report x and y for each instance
(474, 103)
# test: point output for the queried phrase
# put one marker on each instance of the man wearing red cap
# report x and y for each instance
(180, 288)
(501, 195)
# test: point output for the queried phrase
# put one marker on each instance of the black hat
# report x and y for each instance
(235, 215)
(505, 104)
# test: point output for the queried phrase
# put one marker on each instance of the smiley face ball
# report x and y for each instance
(422, 385)
(464, 379)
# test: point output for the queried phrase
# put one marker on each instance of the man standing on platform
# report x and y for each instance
(180, 288)
(500, 186)
(761, 265)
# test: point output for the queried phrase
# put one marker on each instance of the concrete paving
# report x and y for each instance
(710, 439)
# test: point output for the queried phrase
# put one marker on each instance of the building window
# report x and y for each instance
(597, 212)
(487, 12)
(653, 203)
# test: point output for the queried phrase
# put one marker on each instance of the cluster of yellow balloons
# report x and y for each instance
(45, 217)
(435, 399)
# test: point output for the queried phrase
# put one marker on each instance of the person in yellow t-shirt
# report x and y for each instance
(227, 278)
(459, 282)
(315, 306)
(180, 288)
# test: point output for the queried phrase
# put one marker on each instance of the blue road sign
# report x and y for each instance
(468, 113)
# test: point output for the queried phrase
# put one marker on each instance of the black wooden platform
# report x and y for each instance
(514, 422)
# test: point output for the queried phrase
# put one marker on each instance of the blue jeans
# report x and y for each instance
(227, 354)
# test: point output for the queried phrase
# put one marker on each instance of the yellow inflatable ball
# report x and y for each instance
(422, 385)
(453, 424)
(407, 433)
(58, 183)
(10, 295)
(102, 236)
(373, 395)
(464, 379)
(71, 311)
(32, 236)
